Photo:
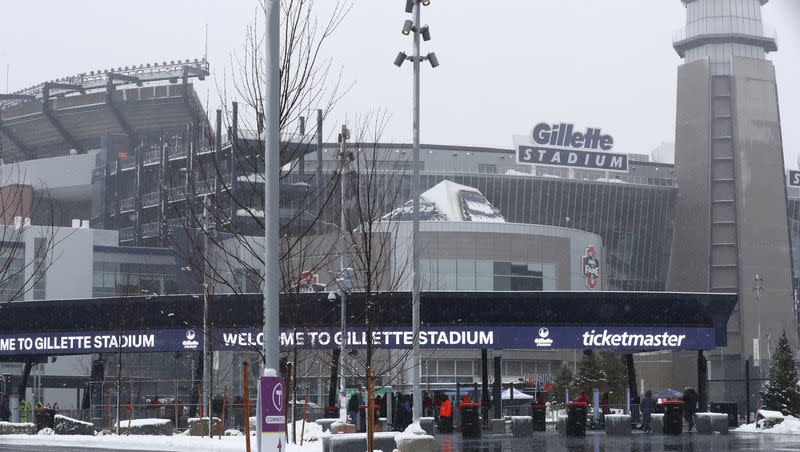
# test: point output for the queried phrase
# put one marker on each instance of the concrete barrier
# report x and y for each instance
(341, 427)
(618, 424)
(325, 423)
(67, 426)
(428, 424)
(357, 442)
(498, 425)
(709, 423)
(17, 428)
(657, 423)
(161, 427)
(195, 428)
(408, 442)
(521, 426)
(561, 425)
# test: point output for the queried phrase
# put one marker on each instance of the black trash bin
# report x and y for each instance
(538, 414)
(44, 418)
(330, 412)
(729, 408)
(673, 417)
(576, 418)
(470, 419)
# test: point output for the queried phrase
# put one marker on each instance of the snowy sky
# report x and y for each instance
(505, 65)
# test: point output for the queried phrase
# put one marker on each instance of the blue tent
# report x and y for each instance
(668, 394)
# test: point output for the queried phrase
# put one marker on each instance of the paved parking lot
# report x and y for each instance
(638, 442)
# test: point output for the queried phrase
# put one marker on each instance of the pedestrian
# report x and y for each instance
(604, 405)
(647, 407)
(446, 416)
(635, 402)
(352, 408)
(690, 398)
(5, 409)
(582, 397)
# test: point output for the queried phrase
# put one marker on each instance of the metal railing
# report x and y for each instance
(151, 199)
(127, 204)
(126, 233)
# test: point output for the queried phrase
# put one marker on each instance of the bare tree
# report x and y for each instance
(372, 241)
(224, 253)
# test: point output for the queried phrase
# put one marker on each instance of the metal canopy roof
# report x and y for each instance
(437, 308)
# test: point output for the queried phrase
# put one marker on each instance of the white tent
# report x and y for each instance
(518, 395)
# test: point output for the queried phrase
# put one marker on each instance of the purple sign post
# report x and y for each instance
(272, 417)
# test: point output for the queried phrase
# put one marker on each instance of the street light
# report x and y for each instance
(408, 27)
(413, 6)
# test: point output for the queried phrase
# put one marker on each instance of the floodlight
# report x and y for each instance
(426, 2)
(409, 6)
(433, 60)
(426, 33)
(408, 25)
(401, 58)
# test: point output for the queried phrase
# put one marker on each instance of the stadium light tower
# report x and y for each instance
(415, 27)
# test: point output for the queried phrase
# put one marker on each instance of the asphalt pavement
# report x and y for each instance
(638, 442)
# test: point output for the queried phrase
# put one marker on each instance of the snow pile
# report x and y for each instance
(449, 201)
(512, 172)
(411, 431)
(789, 426)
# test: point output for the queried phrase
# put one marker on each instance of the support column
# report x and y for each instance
(484, 385)
(702, 381)
(497, 389)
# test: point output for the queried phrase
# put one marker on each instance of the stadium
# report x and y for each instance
(134, 164)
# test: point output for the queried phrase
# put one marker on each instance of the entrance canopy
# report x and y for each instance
(635, 321)
(518, 395)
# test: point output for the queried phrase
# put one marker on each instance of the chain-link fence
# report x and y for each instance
(174, 400)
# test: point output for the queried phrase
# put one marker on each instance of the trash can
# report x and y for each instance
(729, 408)
(576, 418)
(538, 414)
(673, 417)
(470, 419)
(330, 412)
(44, 418)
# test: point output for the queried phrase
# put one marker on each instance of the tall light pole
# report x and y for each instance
(416, 27)
(271, 187)
(345, 157)
(757, 288)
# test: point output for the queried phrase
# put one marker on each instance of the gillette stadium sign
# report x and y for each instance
(565, 145)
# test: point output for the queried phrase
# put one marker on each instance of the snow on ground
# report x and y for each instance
(177, 443)
(790, 426)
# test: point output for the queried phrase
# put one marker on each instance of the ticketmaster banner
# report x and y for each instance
(431, 337)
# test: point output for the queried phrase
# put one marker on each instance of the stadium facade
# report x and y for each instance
(131, 152)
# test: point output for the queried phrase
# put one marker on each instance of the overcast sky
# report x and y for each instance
(505, 65)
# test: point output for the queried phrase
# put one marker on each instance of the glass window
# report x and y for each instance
(483, 282)
(466, 282)
(446, 267)
(466, 267)
(483, 268)
(446, 367)
(463, 367)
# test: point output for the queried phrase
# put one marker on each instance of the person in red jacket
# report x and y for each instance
(446, 416)
(582, 397)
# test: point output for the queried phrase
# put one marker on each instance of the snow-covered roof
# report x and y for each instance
(449, 201)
